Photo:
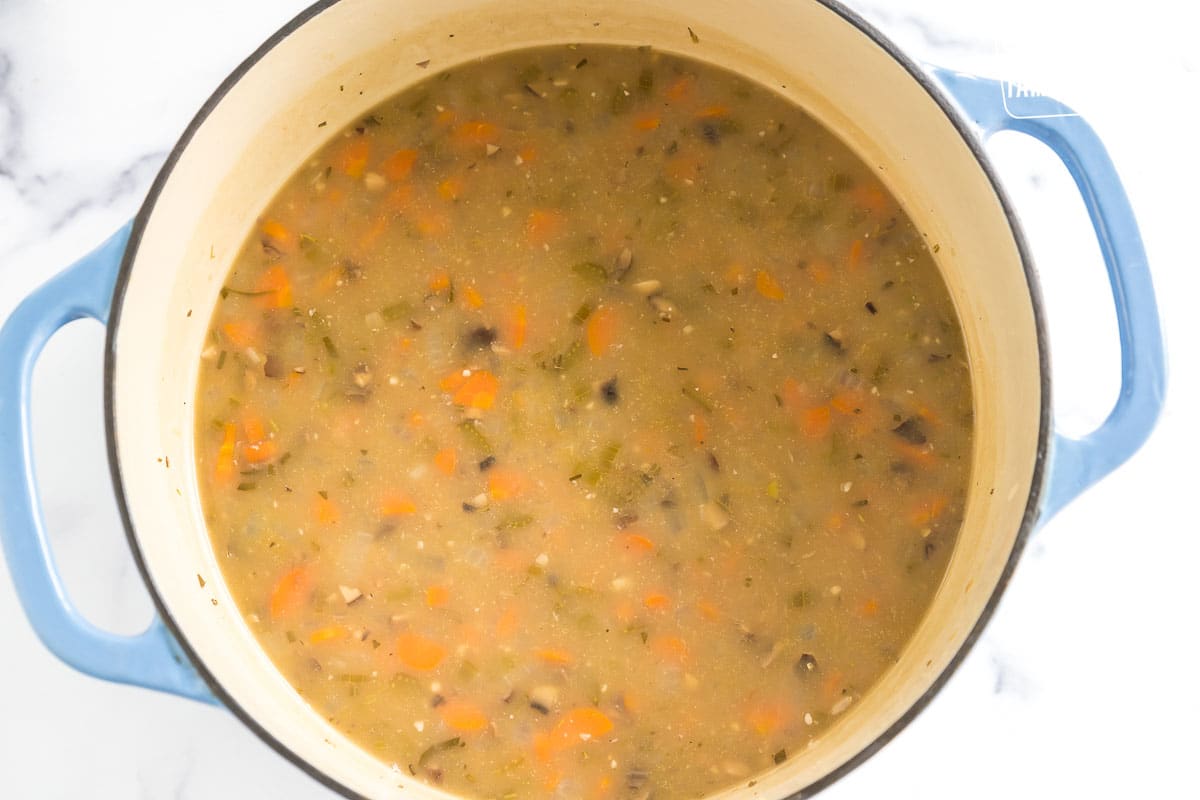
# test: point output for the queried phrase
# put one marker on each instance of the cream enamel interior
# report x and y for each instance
(355, 54)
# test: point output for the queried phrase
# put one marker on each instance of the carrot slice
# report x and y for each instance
(445, 461)
(398, 505)
(417, 652)
(353, 158)
(681, 88)
(516, 327)
(463, 716)
(765, 719)
(290, 592)
(714, 112)
(260, 452)
(477, 132)
(507, 624)
(636, 543)
(477, 391)
(577, 726)
(656, 601)
(398, 165)
(330, 633)
(437, 596)
(815, 421)
(276, 231)
(223, 471)
(472, 297)
(505, 484)
(670, 648)
(767, 286)
(240, 333)
(542, 225)
(646, 122)
(601, 330)
(855, 256)
(554, 655)
(277, 286)
(450, 189)
(326, 511)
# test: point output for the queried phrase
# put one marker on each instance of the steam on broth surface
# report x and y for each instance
(584, 422)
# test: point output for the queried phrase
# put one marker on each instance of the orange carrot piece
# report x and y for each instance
(869, 608)
(528, 154)
(398, 505)
(476, 132)
(352, 159)
(325, 510)
(670, 648)
(240, 333)
(848, 401)
(432, 224)
(477, 391)
(681, 88)
(277, 232)
(657, 601)
(516, 327)
(507, 624)
(699, 428)
(871, 197)
(440, 283)
(855, 255)
(505, 484)
(542, 225)
(253, 426)
(553, 655)
(647, 122)
(260, 452)
(290, 592)
(398, 165)
(767, 286)
(577, 726)
(684, 168)
(919, 454)
(450, 189)
(418, 653)
(636, 543)
(463, 716)
(714, 111)
(224, 469)
(765, 719)
(446, 460)
(601, 330)
(928, 510)
(278, 286)
(820, 271)
(472, 297)
(453, 382)
(708, 610)
(815, 421)
(330, 633)
(437, 596)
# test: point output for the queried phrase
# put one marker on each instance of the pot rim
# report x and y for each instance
(1028, 520)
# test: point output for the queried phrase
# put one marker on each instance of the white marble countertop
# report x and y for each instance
(1083, 683)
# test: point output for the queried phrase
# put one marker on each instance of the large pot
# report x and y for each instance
(156, 281)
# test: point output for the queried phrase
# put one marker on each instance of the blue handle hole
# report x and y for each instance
(1085, 348)
(71, 463)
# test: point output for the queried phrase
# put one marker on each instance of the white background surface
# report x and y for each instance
(1084, 684)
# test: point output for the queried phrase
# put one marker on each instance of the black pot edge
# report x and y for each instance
(1029, 519)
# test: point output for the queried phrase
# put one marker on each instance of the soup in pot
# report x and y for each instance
(584, 422)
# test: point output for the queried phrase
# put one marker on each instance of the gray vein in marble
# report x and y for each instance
(47, 191)
(10, 121)
(1009, 680)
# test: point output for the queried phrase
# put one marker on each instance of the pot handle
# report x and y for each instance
(1076, 464)
(152, 658)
